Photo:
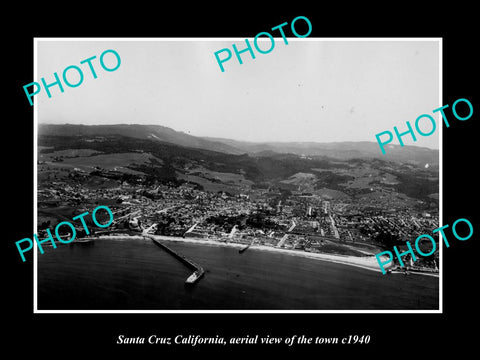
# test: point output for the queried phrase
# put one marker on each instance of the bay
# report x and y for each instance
(135, 274)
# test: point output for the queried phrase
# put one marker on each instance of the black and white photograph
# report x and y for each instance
(260, 187)
(226, 180)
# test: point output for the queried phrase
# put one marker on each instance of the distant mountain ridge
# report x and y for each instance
(153, 132)
(340, 150)
(337, 150)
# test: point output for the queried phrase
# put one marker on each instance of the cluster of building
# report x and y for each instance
(299, 221)
(402, 225)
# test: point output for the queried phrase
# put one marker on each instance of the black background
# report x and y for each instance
(56, 335)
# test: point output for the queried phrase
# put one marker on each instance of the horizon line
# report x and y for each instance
(216, 138)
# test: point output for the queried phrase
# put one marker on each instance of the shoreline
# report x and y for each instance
(367, 263)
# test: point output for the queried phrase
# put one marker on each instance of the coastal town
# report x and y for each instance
(293, 220)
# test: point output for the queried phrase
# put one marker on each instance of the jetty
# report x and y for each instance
(198, 271)
(246, 247)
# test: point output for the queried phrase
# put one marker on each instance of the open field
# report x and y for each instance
(89, 161)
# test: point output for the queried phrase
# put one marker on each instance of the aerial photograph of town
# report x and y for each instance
(208, 221)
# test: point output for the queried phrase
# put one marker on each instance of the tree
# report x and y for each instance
(388, 239)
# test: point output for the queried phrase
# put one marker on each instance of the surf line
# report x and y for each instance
(198, 271)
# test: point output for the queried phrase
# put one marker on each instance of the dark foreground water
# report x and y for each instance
(136, 274)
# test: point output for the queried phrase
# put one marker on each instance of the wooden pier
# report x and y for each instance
(198, 271)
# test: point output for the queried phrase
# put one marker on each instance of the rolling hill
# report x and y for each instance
(340, 150)
(418, 156)
(149, 154)
(152, 132)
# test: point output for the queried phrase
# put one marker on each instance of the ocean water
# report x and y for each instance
(132, 274)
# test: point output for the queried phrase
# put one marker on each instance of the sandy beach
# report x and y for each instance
(366, 262)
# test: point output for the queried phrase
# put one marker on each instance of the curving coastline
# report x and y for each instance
(367, 262)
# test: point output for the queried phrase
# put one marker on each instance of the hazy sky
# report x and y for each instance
(308, 90)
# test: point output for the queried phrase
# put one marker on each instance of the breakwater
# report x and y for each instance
(246, 247)
(198, 271)
(243, 249)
